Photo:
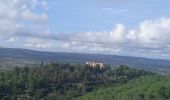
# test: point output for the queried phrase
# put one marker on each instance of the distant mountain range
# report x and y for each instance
(11, 57)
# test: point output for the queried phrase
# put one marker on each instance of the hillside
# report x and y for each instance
(12, 57)
(61, 81)
(152, 87)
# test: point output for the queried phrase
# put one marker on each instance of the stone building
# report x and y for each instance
(96, 64)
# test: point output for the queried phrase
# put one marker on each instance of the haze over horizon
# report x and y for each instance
(119, 27)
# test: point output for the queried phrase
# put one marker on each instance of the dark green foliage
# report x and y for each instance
(63, 81)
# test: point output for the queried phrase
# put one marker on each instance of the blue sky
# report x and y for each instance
(120, 27)
(100, 15)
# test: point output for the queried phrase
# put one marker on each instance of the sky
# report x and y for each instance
(117, 27)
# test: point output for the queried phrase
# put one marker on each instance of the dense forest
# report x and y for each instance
(57, 81)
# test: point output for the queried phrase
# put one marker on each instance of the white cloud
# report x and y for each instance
(15, 14)
(38, 43)
(27, 14)
(113, 37)
(44, 4)
(155, 31)
(113, 11)
(12, 39)
(150, 38)
(131, 35)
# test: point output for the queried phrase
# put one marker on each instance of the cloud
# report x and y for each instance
(44, 4)
(22, 26)
(29, 15)
(149, 38)
(114, 2)
(155, 31)
(113, 11)
(38, 43)
(21, 15)
(113, 37)
(12, 39)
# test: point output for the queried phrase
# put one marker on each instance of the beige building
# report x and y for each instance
(95, 64)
